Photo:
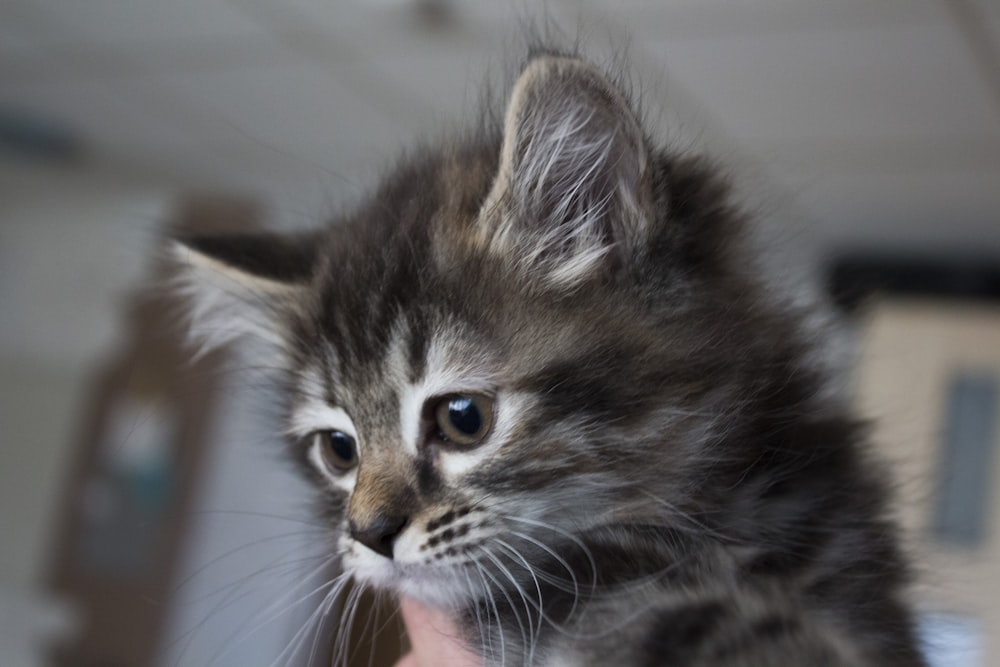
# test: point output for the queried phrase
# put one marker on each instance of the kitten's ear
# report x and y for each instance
(246, 285)
(572, 186)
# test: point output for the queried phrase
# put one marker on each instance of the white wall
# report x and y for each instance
(72, 245)
(68, 251)
(256, 551)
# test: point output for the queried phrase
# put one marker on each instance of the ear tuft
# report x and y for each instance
(571, 184)
(243, 287)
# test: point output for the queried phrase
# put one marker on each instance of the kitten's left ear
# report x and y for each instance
(571, 192)
(244, 286)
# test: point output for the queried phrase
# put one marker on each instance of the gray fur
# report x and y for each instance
(666, 483)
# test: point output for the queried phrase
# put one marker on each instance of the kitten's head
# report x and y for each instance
(518, 340)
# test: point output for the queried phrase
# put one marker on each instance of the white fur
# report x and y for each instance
(315, 415)
(365, 564)
(507, 411)
(564, 161)
(411, 397)
(227, 304)
(411, 401)
(450, 369)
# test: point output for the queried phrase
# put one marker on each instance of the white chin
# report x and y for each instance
(370, 568)
(439, 587)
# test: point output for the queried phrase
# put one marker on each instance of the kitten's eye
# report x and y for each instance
(464, 419)
(338, 450)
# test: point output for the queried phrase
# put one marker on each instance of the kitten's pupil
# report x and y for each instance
(464, 415)
(464, 419)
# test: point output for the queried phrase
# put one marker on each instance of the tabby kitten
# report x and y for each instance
(539, 387)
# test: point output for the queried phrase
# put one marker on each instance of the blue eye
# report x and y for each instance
(464, 419)
(338, 450)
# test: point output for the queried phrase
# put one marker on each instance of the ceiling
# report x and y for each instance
(863, 122)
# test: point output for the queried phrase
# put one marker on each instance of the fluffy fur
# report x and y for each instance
(665, 482)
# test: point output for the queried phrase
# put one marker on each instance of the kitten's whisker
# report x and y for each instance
(234, 596)
(370, 624)
(393, 614)
(191, 632)
(347, 626)
(480, 627)
(342, 640)
(333, 597)
(570, 536)
(559, 559)
(496, 612)
(556, 626)
(542, 618)
(676, 513)
(525, 631)
(281, 565)
(339, 641)
(237, 637)
(532, 630)
(292, 647)
(321, 528)
(227, 554)
(327, 606)
(294, 644)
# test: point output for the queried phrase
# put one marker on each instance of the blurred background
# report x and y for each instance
(147, 517)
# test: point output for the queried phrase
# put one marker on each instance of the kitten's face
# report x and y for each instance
(500, 352)
(466, 418)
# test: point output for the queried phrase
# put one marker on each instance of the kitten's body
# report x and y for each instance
(663, 482)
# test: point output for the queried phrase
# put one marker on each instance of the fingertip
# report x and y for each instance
(408, 660)
(433, 637)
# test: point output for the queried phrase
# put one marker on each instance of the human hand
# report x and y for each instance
(434, 639)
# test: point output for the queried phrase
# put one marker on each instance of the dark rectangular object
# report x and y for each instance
(852, 279)
(963, 501)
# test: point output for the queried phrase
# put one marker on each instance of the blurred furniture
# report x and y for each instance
(928, 374)
(142, 442)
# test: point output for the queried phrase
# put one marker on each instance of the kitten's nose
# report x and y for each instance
(380, 534)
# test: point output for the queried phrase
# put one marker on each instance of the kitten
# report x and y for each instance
(538, 386)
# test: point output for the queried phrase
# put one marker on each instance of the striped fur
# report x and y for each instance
(665, 482)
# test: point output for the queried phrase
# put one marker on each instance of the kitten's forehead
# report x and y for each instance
(412, 310)
(422, 357)
(388, 411)
(455, 363)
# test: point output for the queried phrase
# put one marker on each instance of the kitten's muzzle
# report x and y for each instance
(381, 533)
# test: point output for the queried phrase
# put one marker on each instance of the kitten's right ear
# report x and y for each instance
(245, 285)
(571, 191)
